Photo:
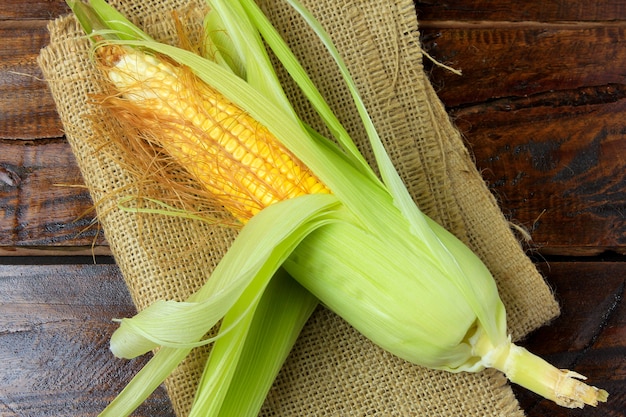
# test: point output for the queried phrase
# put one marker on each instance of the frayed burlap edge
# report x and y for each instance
(332, 369)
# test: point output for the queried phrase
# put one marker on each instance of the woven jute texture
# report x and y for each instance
(332, 370)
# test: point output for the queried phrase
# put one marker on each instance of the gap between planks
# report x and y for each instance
(502, 24)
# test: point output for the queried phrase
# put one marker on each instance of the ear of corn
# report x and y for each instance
(365, 250)
(435, 334)
(232, 155)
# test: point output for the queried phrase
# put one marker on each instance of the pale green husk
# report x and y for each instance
(366, 251)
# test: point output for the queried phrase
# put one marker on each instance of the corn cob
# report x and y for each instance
(247, 169)
(238, 160)
(440, 308)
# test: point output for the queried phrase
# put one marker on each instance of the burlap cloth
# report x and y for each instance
(332, 371)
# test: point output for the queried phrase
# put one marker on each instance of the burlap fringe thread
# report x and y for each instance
(332, 371)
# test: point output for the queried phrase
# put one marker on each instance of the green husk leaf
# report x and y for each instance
(260, 74)
(420, 225)
(159, 367)
(219, 47)
(257, 252)
(390, 176)
(86, 16)
(302, 79)
(225, 353)
(280, 317)
(386, 281)
(238, 375)
(459, 321)
(122, 27)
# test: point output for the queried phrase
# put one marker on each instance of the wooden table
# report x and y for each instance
(542, 103)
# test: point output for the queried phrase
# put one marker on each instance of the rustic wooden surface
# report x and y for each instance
(55, 323)
(541, 103)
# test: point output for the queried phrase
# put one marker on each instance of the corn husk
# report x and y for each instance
(446, 214)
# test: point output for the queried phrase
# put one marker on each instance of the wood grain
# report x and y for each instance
(43, 203)
(522, 60)
(589, 337)
(540, 104)
(559, 171)
(541, 108)
(32, 9)
(526, 11)
(56, 322)
(27, 110)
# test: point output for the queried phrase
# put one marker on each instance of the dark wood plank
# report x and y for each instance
(528, 103)
(39, 203)
(541, 109)
(589, 337)
(27, 109)
(32, 9)
(533, 10)
(56, 322)
(517, 61)
(558, 170)
(536, 101)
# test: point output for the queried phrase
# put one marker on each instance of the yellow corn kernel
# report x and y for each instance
(236, 158)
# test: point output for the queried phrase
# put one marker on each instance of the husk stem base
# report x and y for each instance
(521, 367)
